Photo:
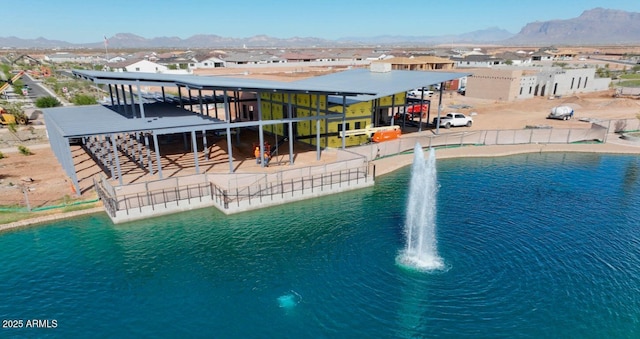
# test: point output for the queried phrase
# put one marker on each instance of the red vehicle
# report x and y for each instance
(414, 111)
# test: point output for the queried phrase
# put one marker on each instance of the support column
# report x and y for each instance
(393, 108)
(260, 131)
(205, 147)
(215, 99)
(111, 95)
(230, 150)
(140, 103)
(318, 127)
(290, 127)
(290, 143)
(133, 103)
(195, 151)
(344, 121)
(149, 160)
(180, 97)
(421, 103)
(227, 114)
(439, 110)
(117, 97)
(261, 141)
(124, 101)
(157, 150)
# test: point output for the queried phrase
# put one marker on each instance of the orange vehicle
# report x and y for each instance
(386, 135)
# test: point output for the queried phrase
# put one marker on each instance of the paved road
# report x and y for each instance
(621, 62)
(35, 89)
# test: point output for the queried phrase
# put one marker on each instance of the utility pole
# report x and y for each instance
(106, 50)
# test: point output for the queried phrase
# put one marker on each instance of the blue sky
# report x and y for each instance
(89, 21)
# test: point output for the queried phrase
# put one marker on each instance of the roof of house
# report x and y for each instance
(419, 60)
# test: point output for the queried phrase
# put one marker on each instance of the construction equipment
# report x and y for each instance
(4, 86)
(7, 118)
(376, 134)
(43, 72)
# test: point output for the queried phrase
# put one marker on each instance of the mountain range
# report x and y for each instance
(598, 26)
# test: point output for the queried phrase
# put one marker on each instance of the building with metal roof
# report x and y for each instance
(314, 111)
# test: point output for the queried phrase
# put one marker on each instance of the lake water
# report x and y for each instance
(537, 245)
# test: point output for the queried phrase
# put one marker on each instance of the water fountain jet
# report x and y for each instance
(421, 251)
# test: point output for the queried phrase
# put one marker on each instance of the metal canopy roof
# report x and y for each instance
(362, 84)
(355, 85)
(98, 119)
(381, 83)
(209, 82)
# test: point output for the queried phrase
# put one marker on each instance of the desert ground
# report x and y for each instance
(40, 178)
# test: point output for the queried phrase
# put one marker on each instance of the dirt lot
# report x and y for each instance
(43, 179)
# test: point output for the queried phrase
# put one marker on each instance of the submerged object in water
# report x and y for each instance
(289, 300)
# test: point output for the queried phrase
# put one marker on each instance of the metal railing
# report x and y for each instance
(170, 192)
(301, 185)
(596, 133)
(353, 167)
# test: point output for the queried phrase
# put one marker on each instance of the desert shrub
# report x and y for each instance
(24, 150)
(83, 99)
(1, 155)
(49, 101)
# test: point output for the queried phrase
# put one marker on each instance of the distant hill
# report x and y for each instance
(489, 35)
(595, 26)
(592, 27)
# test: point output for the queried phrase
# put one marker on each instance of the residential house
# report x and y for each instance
(255, 58)
(507, 83)
(137, 65)
(420, 63)
(515, 59)
(205, 61)
(477, 61)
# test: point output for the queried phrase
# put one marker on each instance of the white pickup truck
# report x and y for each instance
(420, 92)
(453, 119)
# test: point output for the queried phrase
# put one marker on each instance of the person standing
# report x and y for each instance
(256, 152)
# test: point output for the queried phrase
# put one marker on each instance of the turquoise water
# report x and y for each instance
(539, 245)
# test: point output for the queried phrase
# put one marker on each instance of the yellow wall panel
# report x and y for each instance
(303, 100)
(276, 112)
(301, 112)
(314, 102)
(362, 109)
(313, 127)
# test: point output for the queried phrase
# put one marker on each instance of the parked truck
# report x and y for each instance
(453, 119)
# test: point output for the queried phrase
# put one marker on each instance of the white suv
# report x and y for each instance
(417, 93)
